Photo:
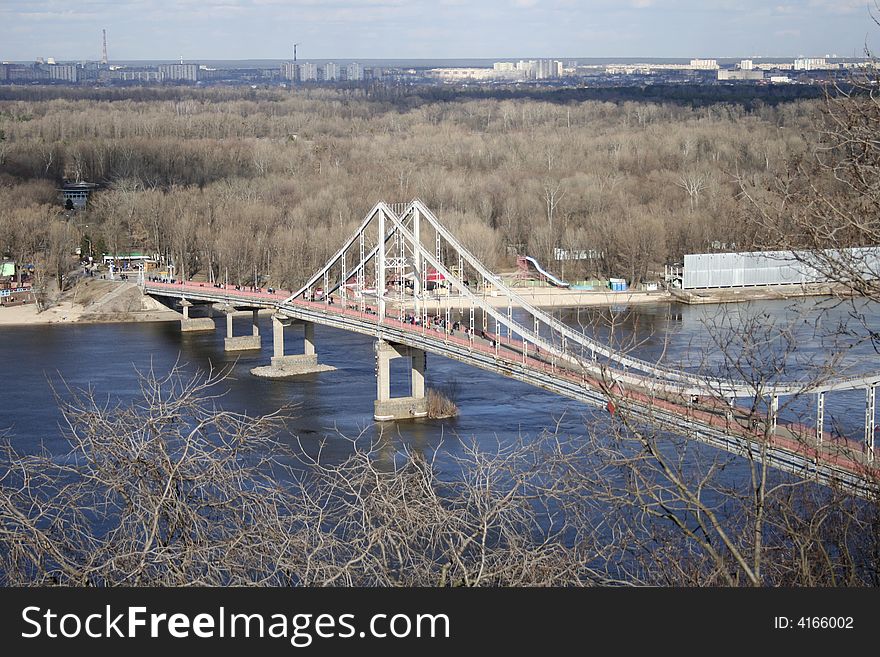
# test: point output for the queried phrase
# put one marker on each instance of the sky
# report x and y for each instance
(403, 29)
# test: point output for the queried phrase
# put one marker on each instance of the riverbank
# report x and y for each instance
(550, 297)
(102, 301)
(757, 293)
(92, 301)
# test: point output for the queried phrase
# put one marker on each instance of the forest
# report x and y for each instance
(231, 179)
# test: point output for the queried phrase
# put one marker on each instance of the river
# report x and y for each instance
(106, 356)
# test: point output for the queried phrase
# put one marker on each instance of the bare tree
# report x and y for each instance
(170, 490)
(688, 521)
(829, 202)
(553, 193)
(693, 183)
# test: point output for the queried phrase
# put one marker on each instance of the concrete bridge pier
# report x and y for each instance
(192, 324)
(387, 407)
(287, 365)
(293, 361)
(241, 342)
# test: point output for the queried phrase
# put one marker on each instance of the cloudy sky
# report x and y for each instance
(371, 29)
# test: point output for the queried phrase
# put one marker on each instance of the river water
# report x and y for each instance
(105, 356)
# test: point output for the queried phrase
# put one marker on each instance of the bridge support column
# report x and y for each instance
(774, 413)
(278, 325)
(870, 421)
(419, 361)
(193, 324)
(284, 366)
(309, 340)
(241, 342)
(387, 407)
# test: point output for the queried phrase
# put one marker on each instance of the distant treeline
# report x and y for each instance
(692, 95)
(749, 96)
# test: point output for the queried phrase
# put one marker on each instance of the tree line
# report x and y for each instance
(230, 178)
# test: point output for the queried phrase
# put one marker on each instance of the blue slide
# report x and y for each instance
(550, 277)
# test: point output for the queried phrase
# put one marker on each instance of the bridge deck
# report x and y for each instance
(792, 446)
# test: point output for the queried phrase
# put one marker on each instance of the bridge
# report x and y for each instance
(399, 276)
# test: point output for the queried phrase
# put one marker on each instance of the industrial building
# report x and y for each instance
(719, 270)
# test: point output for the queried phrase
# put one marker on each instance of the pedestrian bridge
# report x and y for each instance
(402, 278)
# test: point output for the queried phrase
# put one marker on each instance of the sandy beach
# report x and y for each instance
(92, 301)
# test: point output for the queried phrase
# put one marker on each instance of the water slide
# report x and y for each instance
(550, 277)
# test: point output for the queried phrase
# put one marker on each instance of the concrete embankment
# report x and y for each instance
(740, 294)
(551, 298)
(562, 298)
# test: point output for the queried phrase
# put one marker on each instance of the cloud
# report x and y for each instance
(151, 29)
(841, 6)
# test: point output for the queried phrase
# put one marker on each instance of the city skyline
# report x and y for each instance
(449, 29)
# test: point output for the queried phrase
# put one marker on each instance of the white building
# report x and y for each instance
(455, 74)
(308, 72)
(354, 71)
(539, 69)
(331, 72)
(137, 76)
(746, 65)
(704, 64)
(288, 70)
(63, 72)
(543, 69)
(743, 74)
(774, 67)
(187, 72)
(810, 64)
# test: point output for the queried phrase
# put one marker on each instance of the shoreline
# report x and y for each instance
(92, 301)
(122, 302)
(548, 298)
(562, 298)
(68, 313)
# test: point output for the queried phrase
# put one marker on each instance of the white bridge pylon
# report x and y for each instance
(392, 241)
